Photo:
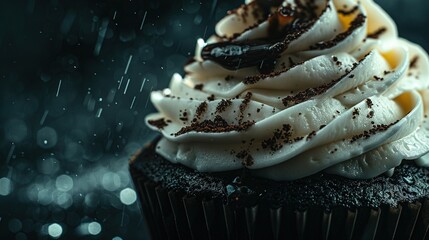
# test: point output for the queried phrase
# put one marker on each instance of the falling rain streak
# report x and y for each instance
(101, 36)
(120, 82)
(58, 89)
(99, 111)
(128, 64)
(10, 154)
(126, 86)
(43, 119)
(143, 20)
(142, 86)
(132, 103)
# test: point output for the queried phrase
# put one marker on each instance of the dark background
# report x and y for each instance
(74, 83)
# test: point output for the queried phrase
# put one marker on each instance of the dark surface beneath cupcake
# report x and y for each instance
(239, 189)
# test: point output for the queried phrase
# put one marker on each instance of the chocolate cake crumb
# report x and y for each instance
(280, 137)
(199, 87)
(159, 123)
(413, 62)
(229, 77)
(369, 103)
(352, 76)
(355, 24)
(223, 105)
(201, 109)
(218, 125)
(211, 98)
(374, 130)
(311, 135)
(244, 104)
(377, 33)
(311, 92)
(370, 114)
(246, 158)
(378, 78)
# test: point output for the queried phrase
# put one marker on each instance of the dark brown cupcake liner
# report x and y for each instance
(174, 215)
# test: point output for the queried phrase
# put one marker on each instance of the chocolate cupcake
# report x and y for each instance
(302, 119)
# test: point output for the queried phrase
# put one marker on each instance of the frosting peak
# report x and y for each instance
(291, 88)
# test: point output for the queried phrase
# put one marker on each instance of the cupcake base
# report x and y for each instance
(180, 203)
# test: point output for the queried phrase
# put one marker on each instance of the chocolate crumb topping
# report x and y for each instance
(201, 109)
(378, 78)
(375, 129)
(355, 24)
(244, 104)
(369, 103)
(223, 105)
(377, 33)
(199, 87)
(280, 137)
(311, 135)
(159, 123)
(218, 125)
(211, 97)
(246, 158)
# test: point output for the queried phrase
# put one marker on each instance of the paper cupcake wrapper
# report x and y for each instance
(175, 215)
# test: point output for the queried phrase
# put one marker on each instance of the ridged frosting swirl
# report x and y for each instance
(291, 88)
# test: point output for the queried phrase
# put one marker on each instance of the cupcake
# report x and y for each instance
(300, 119)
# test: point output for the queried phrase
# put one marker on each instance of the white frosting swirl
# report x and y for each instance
(355, 105)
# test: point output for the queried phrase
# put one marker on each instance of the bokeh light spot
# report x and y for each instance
(5, 186)
(55, 230)
(47, 138)
(94, 228)
(15, 130)
(128, 196)
(64, 183)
